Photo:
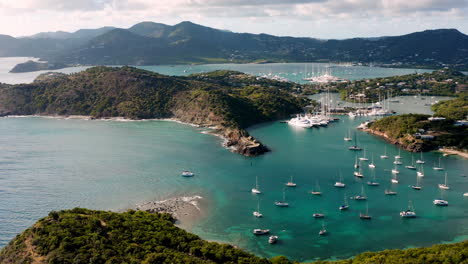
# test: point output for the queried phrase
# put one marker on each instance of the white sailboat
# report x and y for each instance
(417, 186)
(420, 161)
(394, 178)
(340, 183)
(257, 213)
(283, 202)
(372, 165)
(438, 168)
(291, 183)
(187, 173)
(410, 213)
(345, 204)
(373, 182)
(347, 137)
(444, 186)
(411, 167)
(361, 196)
(390, 192)
(359, 173)
(399, 154)
(316, 191)
(355, 146)
(384, 156)
(364, 158)
(365, 216)
(356, 163)
(420, 172)
(323, 231)
(256, 190)
(394, 170)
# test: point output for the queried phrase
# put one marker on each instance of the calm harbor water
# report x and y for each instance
(50, 164)
(291, 71)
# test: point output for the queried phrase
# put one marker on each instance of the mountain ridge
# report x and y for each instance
(150, 43)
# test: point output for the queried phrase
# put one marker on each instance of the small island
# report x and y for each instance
(31, 66)
(446, 129)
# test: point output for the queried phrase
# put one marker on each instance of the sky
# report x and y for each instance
(301, 18)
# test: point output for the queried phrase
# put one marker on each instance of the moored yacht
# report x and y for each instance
(318, 215)
(440, 202)
(300, 121)
(187, 174)
(395, 171)
(410, 213)
(384, 156)
(259, 231)
(411, 167)
(345, 204)
(323, 231)
(256, 190)
(316, 191)
(444, 186)
(283, 202)
(439, 167)
(372, 165)
(257, 213)
(420, 161)
(390, 192)
(364, 158)
(340, 183)
(360, 197)
(365, 216)
(273, 239)
(291, 183)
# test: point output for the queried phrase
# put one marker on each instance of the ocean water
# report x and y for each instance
(50, 164)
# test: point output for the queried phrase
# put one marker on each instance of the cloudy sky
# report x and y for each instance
(309, 18)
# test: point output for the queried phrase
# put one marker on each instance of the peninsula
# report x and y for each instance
(225, 100)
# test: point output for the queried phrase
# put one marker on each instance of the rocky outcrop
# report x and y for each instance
(408, 143)
(241, 142)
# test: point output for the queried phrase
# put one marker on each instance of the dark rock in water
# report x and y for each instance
(31, 66)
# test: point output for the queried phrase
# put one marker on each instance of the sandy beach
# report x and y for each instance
(460, 153)
(187, 210)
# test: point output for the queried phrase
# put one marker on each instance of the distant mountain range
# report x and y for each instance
(149, 43)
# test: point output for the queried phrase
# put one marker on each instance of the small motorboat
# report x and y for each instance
(187, 174)
(273, 239)
(440, 202)
(318, 215)
(260, 231)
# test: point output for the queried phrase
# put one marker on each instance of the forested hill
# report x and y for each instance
(229, 100)
(82, 236)
(149, 43)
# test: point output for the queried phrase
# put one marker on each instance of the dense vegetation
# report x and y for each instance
(150, 43)
(229, 100)
(444, 82)
(402, 129)
(447, 254)
(86, 236)
(30, 66)
(453, 109)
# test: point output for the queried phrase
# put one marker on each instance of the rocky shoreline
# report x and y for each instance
(416, 145)
(185, 209)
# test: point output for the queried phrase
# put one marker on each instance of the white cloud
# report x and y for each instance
(318, 18)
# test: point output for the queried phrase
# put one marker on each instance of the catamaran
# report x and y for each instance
(291, 183)
(187, 174)
(340, 183)
(256, 190)
(438, 168)
(355, 146)
(372, 165)
(410, 213)
(283, 202)
(345, 204)
(347, 137)
(365, 216)
(384, 156)
(411, 167)
(257, 213)
(360, 197)
(316, 191)
(364, 158)
(444, 186)
(420, 161)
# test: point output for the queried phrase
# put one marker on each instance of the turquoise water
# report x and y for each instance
(50, 164)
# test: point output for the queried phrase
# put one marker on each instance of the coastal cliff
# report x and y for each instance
(227, 101)
(417, 133)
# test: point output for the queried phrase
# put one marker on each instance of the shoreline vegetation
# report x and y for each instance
(226, 100)
(83, 236)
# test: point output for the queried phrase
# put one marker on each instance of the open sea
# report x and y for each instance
(50, 164)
